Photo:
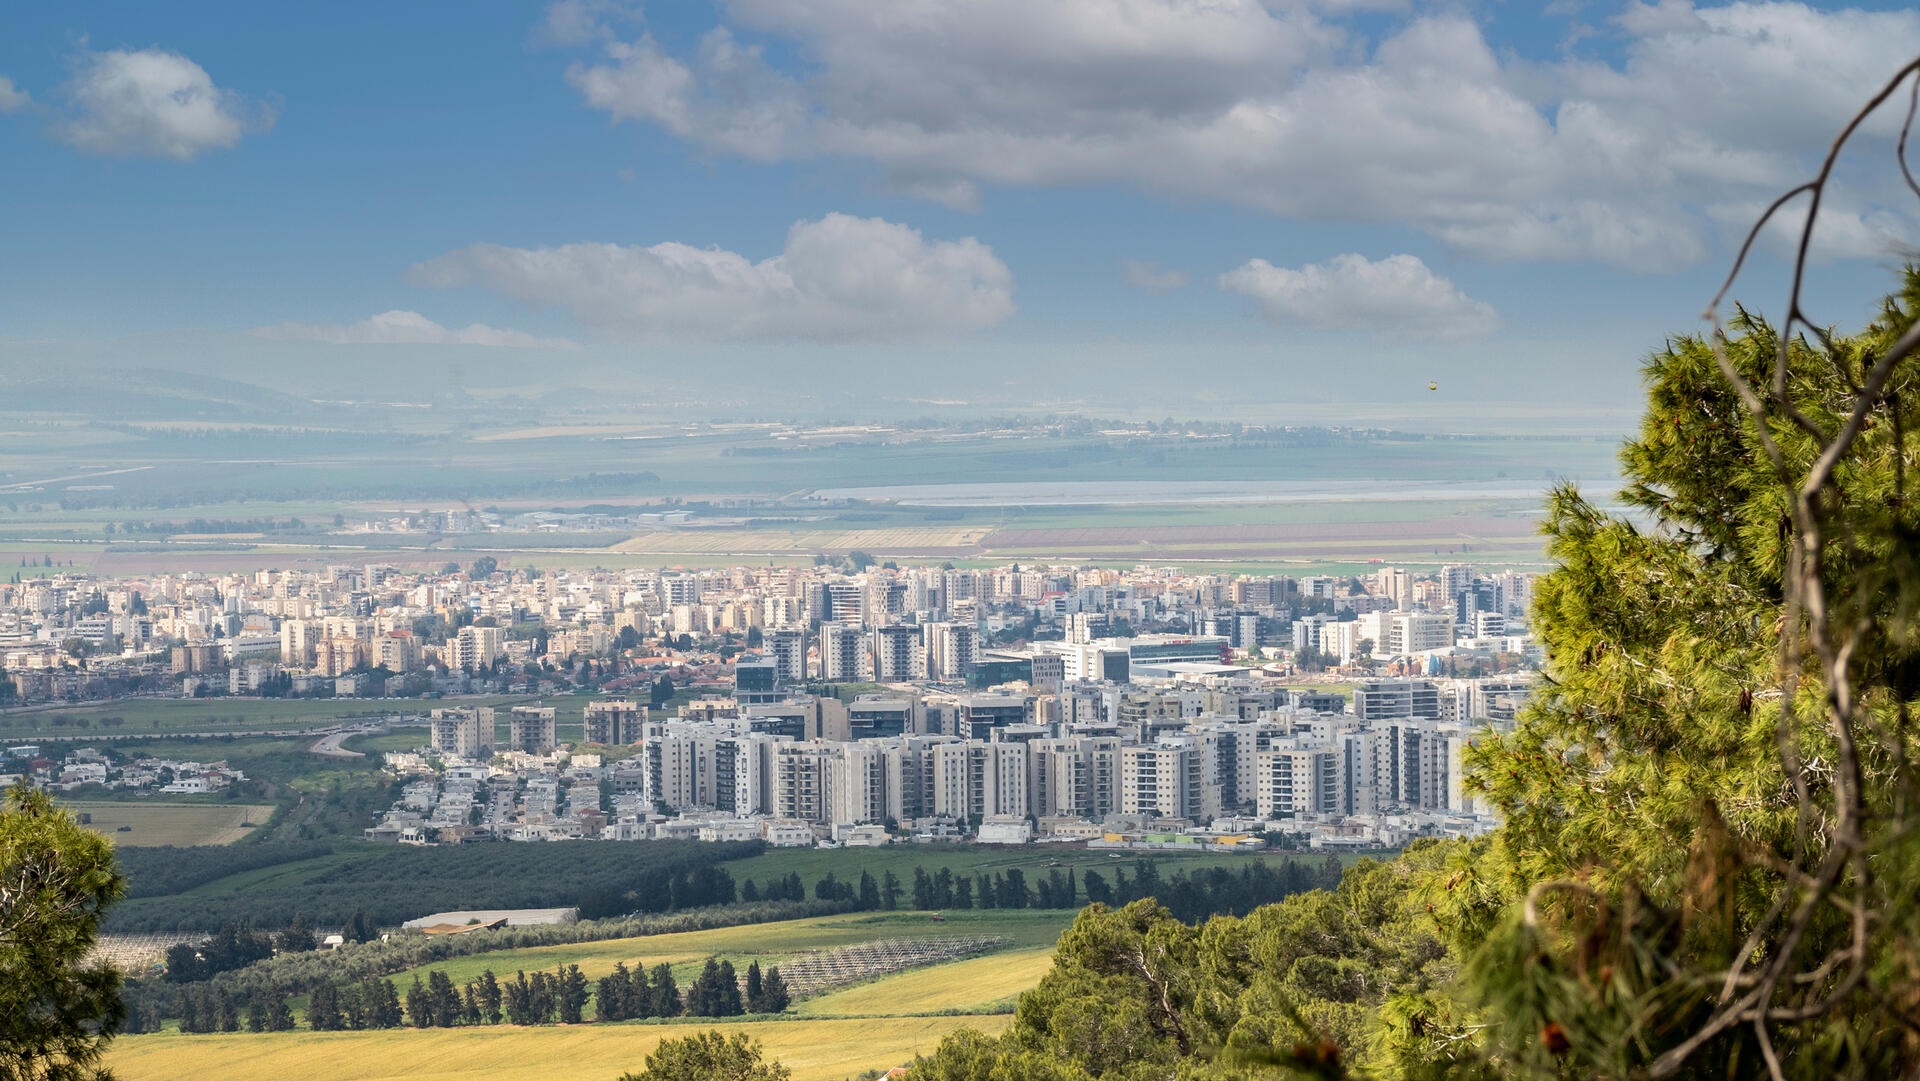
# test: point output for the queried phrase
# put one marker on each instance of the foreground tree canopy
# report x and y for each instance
(709, 1056)
(1709, 861)
(56, 879)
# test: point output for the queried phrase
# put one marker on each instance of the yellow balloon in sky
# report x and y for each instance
(1433, 386)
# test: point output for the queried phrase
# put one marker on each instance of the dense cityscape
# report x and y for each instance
(816, 706)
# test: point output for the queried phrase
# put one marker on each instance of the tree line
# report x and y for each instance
(390, 884)
(303, 970)
(538, 998)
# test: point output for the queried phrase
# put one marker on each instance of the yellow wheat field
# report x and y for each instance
(957, 985)
(816, 1050)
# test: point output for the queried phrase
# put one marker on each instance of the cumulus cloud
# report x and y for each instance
(153, 103)
(1398, 296)
(1284, 108)
(408, 328)
(839, 278)
(578, 22)
(1149, 278)
(12, 98)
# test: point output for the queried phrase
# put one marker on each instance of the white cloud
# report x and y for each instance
(1285, 109)
(1395, 297)
(12, 98)
(408, 328)
(153, 103)
(839, 278)
(578, 22)
(1149, 278)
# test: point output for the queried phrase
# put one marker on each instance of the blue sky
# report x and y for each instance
(1319, 201)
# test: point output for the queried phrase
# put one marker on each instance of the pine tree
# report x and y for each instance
(519, 997)
(666, 995)
(610, 996)
(700, 993)
(470, 1008)
(572, 994)
(540, 999)
(755, 992)
(922, 889)
(489, 997)
(257, 1012)
(228, 1010)
(323, 1008)
(869, 892)
(298, 937)
(890, 891)
(353, 1006)
(639, 1002)
(443, 1002)
(188, 1008)
(726, 992)
(381, 1001)
(279, 1014)
(417, 1010)
(773, 994)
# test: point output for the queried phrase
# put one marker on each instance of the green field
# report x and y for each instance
(180, 716)
(815, 1049)
(129, 718)
(154, 823)
(1034, 861)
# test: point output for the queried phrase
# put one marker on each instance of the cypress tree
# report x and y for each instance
(572, 992)
(610, 996)
(417, 1009)
(773, 992)
(639, 996)
(323, 1009)
(489, 996)
(726, 992)
(755, 993)
(666, 995)
(443, 1002)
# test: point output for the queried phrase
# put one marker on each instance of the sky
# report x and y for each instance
(1147, 202)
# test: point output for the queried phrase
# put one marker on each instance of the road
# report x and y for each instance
(329, 746)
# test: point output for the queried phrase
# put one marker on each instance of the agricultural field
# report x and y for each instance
(142, 717)
(154, 718)
(978, 985)
(816, 1049)
(148, 824)
(873, 1025)
(1034, 861)
(769, 943)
